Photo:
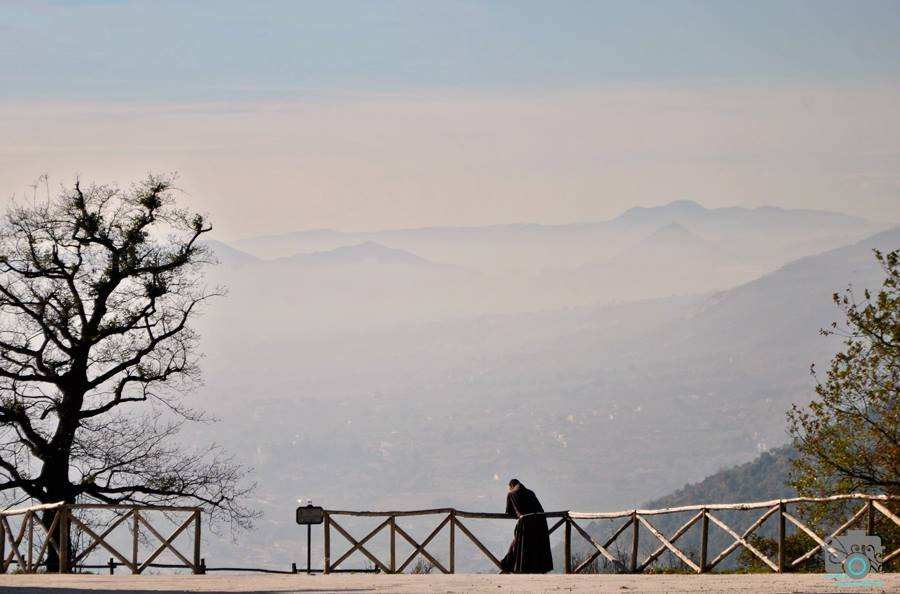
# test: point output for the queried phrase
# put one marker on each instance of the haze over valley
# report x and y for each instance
(391, 369)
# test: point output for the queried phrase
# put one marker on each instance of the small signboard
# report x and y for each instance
(309, 514)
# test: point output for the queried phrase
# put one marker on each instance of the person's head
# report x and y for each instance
(513, 484)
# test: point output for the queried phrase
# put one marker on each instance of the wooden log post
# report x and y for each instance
(704, 541)
(567, 545)
(29, 517)
(135, 529)
(3, 547)
(453, 541)
(870, 518)
(198, 565)
(64, 514)
(782, 551)
(326, 543)
(635, 532)
(393, 526)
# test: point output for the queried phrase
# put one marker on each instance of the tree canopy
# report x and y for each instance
(849, 435)
(98, 288)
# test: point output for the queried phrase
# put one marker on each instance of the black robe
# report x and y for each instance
(529, 551)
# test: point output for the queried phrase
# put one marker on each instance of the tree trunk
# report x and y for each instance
(52, 559)
(55, 474)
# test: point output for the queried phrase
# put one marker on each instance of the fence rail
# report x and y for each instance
(451, 519)
(28, 535)
(30, 545)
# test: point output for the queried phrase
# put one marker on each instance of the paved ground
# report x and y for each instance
(56, 584)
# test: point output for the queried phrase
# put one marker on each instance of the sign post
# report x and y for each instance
(309, 514)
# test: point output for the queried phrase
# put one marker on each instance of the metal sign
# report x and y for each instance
(309, 514)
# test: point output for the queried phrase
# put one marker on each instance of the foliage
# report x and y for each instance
(795, 546)
(849, 437)
(422, 566)
(595, 566)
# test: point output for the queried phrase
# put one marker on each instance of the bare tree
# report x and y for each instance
(97, 291)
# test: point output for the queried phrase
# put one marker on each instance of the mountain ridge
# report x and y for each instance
(682, 206)
(364, 251)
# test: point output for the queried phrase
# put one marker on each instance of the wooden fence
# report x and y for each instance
(784, 511)
(28, 545)
(26, 541)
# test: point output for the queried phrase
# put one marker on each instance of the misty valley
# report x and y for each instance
(604, 364)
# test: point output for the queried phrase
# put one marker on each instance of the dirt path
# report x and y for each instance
(56, 584)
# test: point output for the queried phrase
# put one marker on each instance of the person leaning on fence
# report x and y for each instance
(529, 551)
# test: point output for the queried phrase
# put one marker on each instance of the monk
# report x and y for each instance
(530, 548)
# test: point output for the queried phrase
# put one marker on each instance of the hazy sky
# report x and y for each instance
(290, 115)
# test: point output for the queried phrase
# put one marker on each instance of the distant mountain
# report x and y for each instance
(671, 260)
(766, 237)
(368, 252)
(227, 255)
(654, 215)
(357, 285)
(675, 235)
(678, 249)
(687, 211)
(801, 288)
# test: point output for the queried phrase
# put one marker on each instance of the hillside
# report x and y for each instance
(765, 477)
(761, 479)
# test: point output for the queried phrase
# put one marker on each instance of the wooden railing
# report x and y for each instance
(452, 520)
(29, 543)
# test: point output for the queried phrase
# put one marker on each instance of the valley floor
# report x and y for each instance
(762, 583)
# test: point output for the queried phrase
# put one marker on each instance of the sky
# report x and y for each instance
(281, 116)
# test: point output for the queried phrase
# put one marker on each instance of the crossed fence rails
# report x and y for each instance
(871, 505)
(28, 546)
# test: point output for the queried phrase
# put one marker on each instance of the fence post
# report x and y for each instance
(567, 544)
(134, 543)
(870, 518)
(3, 546)
(453, 541)
(30, 518)
(64, 538)
(635, 531)
(326, 543)
(393, 545)
(198, 566)
(112, 566)
(782, 553)
(704, 541)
